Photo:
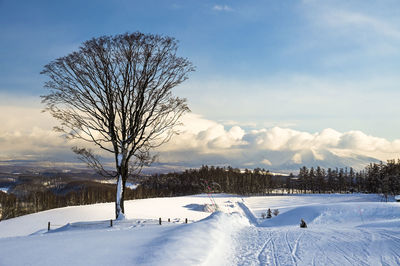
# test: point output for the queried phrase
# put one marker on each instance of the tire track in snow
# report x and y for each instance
(345, 256)
(394, 245)
(268, 248)
(374, 243)
(294, 261)
(347, 252)
(276, 262)
(247, 245)
(296, 244)
(320, 253)
(260, 258)
(264, 240)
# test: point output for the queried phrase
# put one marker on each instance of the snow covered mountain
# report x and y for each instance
(324, 159)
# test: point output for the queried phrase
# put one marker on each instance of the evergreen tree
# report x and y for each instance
(320, 180)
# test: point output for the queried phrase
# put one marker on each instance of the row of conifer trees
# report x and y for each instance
(375, 178)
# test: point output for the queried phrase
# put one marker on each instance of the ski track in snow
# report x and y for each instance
(268, 246)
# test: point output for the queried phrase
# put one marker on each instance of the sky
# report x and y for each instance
(277, 83)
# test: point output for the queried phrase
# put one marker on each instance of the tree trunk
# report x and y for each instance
(119, 202)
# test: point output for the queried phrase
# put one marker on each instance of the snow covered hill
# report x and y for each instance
(342, 230)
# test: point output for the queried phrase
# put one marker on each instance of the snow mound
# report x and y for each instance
(248, 213)
(203, 241)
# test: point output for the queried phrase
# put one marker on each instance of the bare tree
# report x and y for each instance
(115, 92)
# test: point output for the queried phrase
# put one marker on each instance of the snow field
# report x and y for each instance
(343, 229)
(128, 242)
(176, 208)
(320, 210)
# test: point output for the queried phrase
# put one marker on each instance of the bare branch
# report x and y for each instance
(87, 156)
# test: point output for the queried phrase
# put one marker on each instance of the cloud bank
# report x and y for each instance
(277, 148)
(204, 141)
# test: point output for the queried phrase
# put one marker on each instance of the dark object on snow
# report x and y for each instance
(269, 214)
(303, 224)
(276, 212)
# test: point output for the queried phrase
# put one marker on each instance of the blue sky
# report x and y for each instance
(299, 65)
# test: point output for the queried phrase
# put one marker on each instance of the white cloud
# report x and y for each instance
(309, 102)
(273, 146)
(222, 8)
(357, 140)
(27, 134)
(205, 136)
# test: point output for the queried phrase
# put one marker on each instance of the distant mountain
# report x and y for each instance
(275, 161)
(325, 159)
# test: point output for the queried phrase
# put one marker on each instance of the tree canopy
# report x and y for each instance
(115, 92)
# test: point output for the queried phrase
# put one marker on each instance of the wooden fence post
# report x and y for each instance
(159, 221)
(110, 222)
(169, 220)
(48, 226)
(185, 220)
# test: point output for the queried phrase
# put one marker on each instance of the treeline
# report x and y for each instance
(13, 205)
(61, 194)
(215, 179)
(375, 178)
(70, 194)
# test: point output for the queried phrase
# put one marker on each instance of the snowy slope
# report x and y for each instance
(174, 208)
(342, 230)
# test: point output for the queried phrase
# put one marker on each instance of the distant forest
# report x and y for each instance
(54, 193)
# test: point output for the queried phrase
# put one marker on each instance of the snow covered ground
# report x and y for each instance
(342, 230)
